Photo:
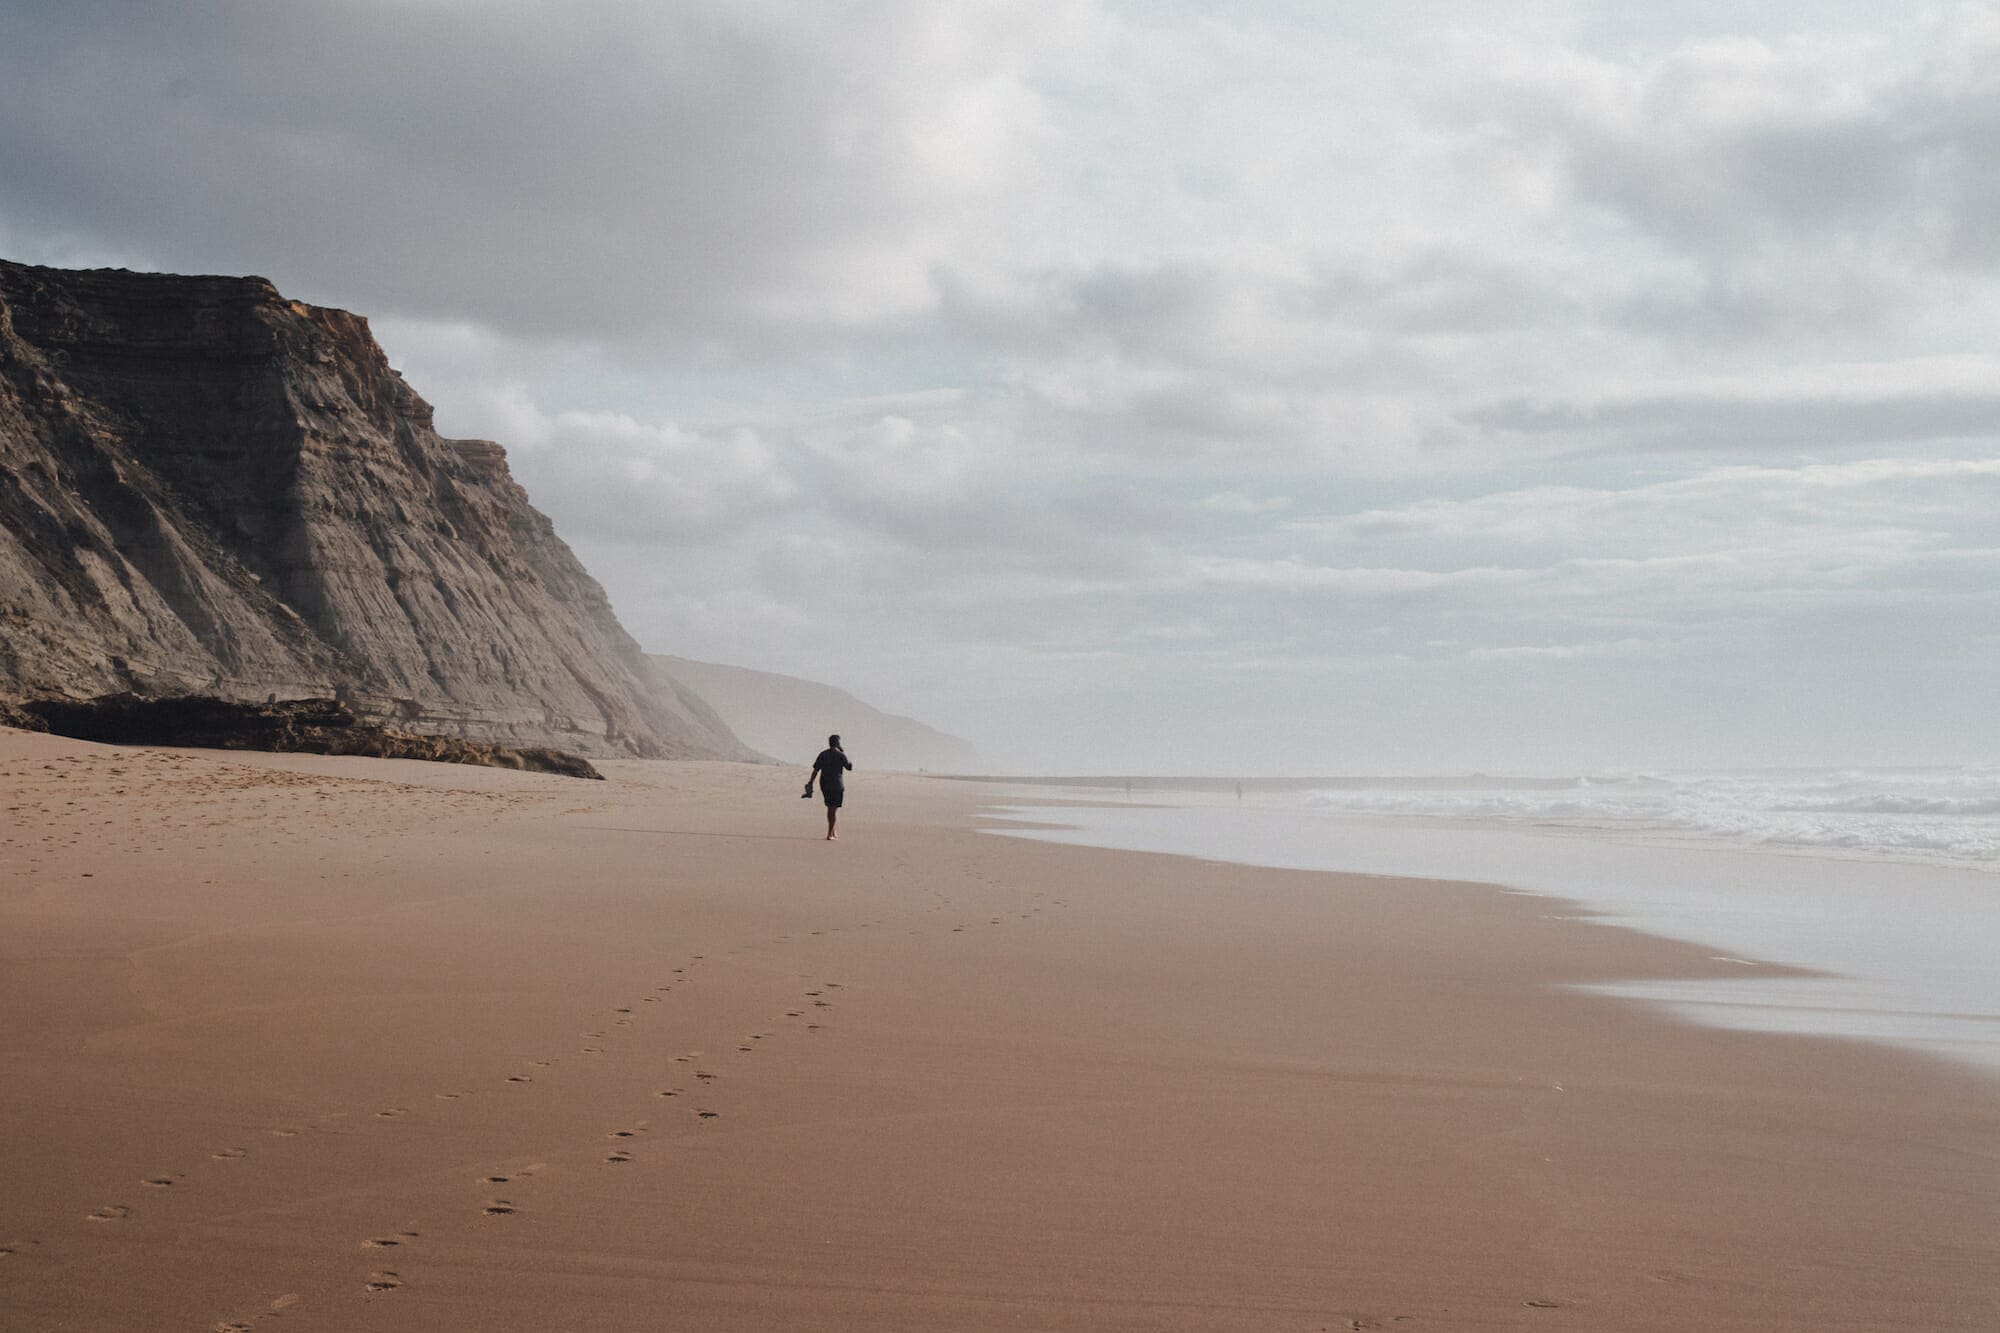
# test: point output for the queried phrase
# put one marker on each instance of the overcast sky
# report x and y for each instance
(1298, 386)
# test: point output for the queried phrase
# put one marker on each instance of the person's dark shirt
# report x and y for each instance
(831, 766)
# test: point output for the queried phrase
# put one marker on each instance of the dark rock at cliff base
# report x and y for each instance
(303, 726)
(207, 488)
(12, 715)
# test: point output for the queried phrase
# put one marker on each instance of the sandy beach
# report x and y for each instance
(290, 1043)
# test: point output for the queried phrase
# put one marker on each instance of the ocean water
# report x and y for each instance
(1884, 883)
(1932, 816)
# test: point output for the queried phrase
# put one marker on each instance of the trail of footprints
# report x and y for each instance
(812, 1004)
(503, 1189)
(621, 1149)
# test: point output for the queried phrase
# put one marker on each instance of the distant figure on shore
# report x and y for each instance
(831, 769)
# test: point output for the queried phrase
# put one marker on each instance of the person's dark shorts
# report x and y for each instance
(832, 796)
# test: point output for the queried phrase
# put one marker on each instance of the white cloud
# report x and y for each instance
(1828, 507)
(1734, 144)
(1279, 365)
(894, 461)
(1236, 502)
(1564, 652)
(638, 481)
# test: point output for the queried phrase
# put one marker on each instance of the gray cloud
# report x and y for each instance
(1728, 149)
(1410, 381)
(1751, 421)
(597, 169)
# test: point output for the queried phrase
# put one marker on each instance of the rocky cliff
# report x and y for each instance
(790, 718)
(206, 488)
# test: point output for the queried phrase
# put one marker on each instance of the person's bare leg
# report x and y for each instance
(832, 814)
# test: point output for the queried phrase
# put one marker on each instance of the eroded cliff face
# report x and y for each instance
(207, 488)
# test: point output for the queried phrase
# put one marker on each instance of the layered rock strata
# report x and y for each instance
(206, 488)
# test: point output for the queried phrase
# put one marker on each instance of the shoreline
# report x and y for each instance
(1934, 819)
(1880, 948)
(395, 1040)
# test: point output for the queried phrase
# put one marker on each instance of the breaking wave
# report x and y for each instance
(1949, 815)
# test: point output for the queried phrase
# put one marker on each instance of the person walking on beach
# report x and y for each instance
(831, 769)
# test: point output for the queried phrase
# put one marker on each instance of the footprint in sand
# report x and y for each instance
(229, 1155)
(274, 1310)
(618, 1158)
(708, 1115)
(394, 1112)
(110, 1212)
(519, 1078)
(499, 1208)
(387, 1242)
(384, 1281)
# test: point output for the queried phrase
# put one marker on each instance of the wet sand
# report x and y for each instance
(292, 1043)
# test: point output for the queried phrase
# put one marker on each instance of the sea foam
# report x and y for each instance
(1940, 815)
